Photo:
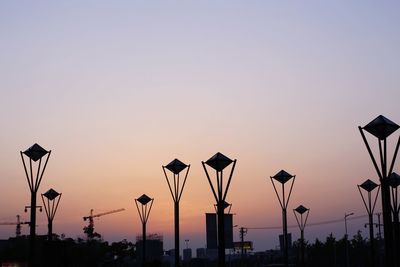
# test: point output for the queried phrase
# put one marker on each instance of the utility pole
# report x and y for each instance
(379, 225)
(242, 232)
(346, 238)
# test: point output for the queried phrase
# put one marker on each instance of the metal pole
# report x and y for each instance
(346, 239)
(285, 242)
(32, 235)
(177, 250)
(387, 223)
(386, 209)
(50, 232)
(371, 239)
(144, 245)
(396, 236)
(302, 260)
(221, 234)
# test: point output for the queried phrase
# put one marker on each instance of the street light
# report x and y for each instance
(394, 182)
(50, 206)
(369, 186)
(34, 176)
(176, 189)
(381, 128)
(219, 162)
(144, 212)
(346, 238)
(302, 224)
(282, 177)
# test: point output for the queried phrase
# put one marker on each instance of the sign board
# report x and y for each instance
(212, 230)
(247, 245)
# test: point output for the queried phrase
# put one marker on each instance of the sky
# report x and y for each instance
(117, 89)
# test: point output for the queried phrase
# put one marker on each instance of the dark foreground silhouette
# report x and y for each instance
(69, 252)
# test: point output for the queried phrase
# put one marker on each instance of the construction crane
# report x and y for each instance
(89, 230)
(18, 224)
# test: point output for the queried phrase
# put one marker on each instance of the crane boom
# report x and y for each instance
(14, 223)
(107, 212)
(101, 214)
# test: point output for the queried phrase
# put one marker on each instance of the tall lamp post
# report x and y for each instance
(176, 189)
(282, 177)
(394, 182)
(144, 211)
(346, 237)
(50, 206)
(381, 128)
(34, 175)
(301, 222)
(219, 162)
(369, 204)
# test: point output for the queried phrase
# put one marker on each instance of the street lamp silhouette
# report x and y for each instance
(382, 128)
(282, 177)
(302, 225)
(346, 238)
(34, 176)
(394, 182)
(144, 211)
(219, 162)
(50, 206)
(369, 204)
(176, 189)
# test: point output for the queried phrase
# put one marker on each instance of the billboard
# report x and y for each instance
(247, 245)
(212, 230)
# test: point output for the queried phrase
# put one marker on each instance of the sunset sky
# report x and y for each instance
(116, 89)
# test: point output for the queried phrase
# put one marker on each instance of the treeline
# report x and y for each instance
(67, 252)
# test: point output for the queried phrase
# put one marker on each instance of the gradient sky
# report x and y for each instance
(118, 88)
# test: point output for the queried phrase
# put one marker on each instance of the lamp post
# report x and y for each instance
(219, 162)
(369, 186)
(176, 189)
(50, 206)
(282, 177)
(394, 182)
(34, 176)
(144, 211)
(302, 224)
(381, 128)
(346, 238)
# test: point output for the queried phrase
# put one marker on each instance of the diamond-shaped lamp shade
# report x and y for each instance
(35, 152)
(226, 204)
(301, 209)
(144, 199)
(381, 127)
(219, 162)
(394, 180)
(51, 194)
(176, 166)
(368, 185)
(282, 177)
